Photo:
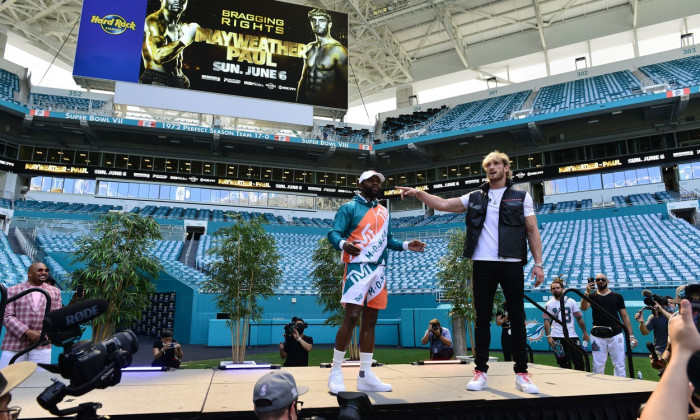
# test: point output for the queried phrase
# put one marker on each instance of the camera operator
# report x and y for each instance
(10, 377)
(656, 322)
(670, 398)
(166, 351)
(296, 346)
(503, 322)
(690, 292)
(440, 341)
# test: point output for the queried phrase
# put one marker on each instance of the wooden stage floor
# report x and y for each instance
(194, 394)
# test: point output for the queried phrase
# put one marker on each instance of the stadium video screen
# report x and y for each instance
(263, 49)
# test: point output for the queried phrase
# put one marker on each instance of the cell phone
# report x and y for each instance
(591, 279)
(80, 290)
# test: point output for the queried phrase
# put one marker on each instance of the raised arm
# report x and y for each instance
(642, 324)
(451, 205)
(584, 303)
(160, 50)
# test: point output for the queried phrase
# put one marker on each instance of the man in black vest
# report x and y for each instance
(500, 222)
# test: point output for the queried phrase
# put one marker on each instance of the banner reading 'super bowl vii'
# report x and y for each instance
(262, 49)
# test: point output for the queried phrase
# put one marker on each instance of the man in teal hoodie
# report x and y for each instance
(361, 230)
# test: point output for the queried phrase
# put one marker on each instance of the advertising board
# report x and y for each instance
(264, 49)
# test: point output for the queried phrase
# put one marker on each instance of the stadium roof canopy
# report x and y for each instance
(433, 43)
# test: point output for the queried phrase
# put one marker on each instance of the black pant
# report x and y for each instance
(444, 354)
(505, 345)
(167, 362)
(573, 355)
(487, 276)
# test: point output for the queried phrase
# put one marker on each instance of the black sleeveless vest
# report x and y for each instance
(512, 232)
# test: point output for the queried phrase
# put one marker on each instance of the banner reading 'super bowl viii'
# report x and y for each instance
(262, 49)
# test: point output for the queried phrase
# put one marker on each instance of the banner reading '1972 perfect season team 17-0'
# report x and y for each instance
(263, 49)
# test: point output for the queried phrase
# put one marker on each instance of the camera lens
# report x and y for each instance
(125, 340)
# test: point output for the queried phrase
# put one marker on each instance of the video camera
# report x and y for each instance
(289, 328)
(652, 299)
(353, 405)
(86, 365)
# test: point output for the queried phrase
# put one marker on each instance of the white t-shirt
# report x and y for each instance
(572, 312)
(487, 247)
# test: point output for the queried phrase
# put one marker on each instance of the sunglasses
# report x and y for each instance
(297, 406)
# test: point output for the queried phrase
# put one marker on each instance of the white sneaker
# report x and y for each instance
(478, 382)
(370, 382)
(523, 383)
(336, 383)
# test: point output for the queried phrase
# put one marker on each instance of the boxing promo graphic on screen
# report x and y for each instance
(263, 49)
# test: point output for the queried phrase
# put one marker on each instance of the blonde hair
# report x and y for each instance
(500, 157)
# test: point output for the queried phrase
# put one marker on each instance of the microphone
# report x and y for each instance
(652, 351)
(71, 316)
(658, 299)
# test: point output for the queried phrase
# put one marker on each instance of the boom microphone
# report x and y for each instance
(661, 300)
(652, 351)
(71, 316)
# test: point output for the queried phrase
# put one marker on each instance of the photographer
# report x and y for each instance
(440, 341)
(166, 351)
(607, 336)
(296, 346)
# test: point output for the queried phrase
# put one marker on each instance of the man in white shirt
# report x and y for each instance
(500, 222)
(554, 331)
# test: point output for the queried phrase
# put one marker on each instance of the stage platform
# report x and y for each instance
(420, 392)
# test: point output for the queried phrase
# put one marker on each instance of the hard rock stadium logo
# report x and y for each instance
(113, 24)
